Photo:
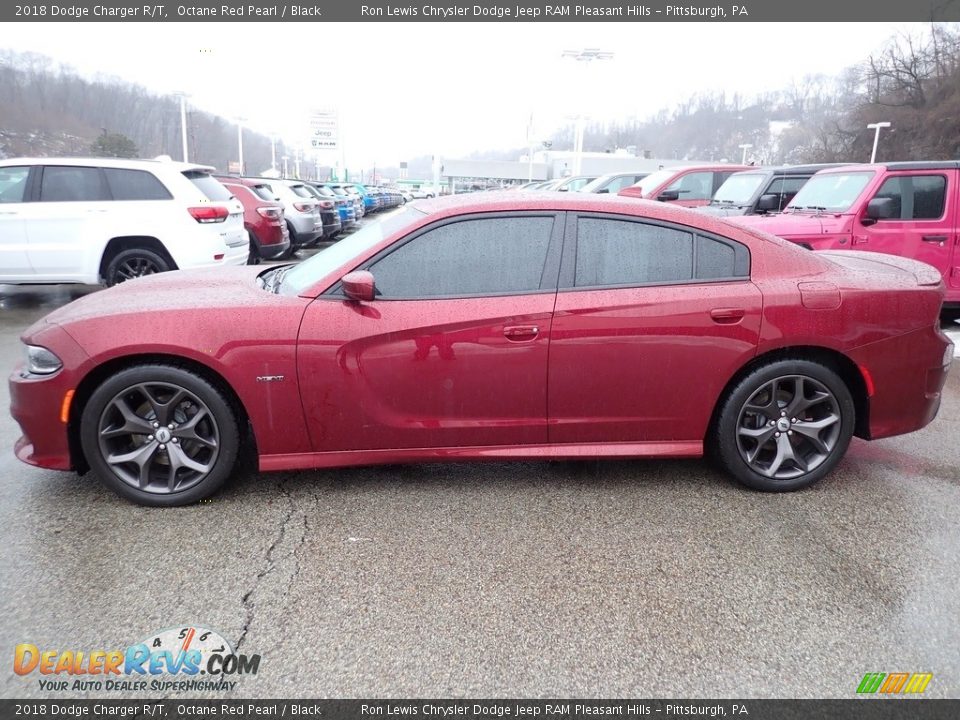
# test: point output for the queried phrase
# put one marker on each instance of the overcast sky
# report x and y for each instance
(406, 89)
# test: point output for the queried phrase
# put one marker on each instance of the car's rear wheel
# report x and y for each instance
(254, 257)
(160, 435)
(133, 263)
(785, 425)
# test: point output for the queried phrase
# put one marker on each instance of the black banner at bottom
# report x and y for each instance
(874, 708)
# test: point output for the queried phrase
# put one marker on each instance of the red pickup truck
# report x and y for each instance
(911, 209)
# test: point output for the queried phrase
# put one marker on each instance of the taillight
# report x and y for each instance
(271, 213)
(209, 213)
(304, 207)
(326, 204)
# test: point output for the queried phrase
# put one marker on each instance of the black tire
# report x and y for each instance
(133, 263)
(134, 420)
(254, 258)
(785, 426)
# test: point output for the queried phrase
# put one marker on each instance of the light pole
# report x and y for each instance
(586, 56)
(183, 121)
(744, 147)
(273, 153)
(285, 172)
(876, 137)
(240, 122)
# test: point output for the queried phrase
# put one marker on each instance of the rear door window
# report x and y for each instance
(625, 253)
(135, 185)
(65, 183)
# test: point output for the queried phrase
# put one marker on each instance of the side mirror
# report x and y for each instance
(768, 203)
(669, 196)
(881, 208)
(359, 286)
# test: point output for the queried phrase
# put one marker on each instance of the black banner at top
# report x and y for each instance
(483, 10)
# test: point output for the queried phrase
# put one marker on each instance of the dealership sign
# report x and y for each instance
(324, 129)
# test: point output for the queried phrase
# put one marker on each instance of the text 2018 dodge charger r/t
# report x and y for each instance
(530, 325)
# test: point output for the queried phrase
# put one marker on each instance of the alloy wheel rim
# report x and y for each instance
(788, 427)
(136, 267)
(158, 437)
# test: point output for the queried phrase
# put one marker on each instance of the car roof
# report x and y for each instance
(121, 163)
(908, 165)
(810, 169)
(507, 201)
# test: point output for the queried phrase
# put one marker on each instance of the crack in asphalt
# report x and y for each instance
(268, 565)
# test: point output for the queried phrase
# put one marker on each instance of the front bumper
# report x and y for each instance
(37, 402)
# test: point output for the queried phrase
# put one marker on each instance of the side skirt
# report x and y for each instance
(347, 458)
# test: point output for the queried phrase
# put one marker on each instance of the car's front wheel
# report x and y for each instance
(785, 425)
(160, 435)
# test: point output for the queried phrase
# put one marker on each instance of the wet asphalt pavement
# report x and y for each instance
(607, 579)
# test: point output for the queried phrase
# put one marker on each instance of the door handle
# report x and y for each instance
(519, 333)
(935, 239)
(727, 316)
(859, 239)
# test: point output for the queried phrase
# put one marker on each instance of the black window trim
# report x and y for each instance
(913, 174)
(551, 265)
(568, 269)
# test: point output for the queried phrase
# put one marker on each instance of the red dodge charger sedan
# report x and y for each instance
(505, 326)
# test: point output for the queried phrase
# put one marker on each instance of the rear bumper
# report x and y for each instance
(908, 374)
(271, 252)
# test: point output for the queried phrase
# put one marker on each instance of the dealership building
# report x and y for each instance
(547, 165)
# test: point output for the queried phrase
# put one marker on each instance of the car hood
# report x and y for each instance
(783, 225)
(180, 291)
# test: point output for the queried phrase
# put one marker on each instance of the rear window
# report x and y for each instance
(325, 191)
(264, 192)
(302, 192)
(208, 185)
(135, 185)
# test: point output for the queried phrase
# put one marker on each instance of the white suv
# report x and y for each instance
(92, 220)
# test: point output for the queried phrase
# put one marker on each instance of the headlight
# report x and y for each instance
(41, 361)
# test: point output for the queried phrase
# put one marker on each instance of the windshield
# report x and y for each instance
(326, 261)
(654, 180)
(739, 189)
(834, 192)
